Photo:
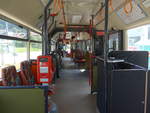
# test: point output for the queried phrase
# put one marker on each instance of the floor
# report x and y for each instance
(73, 91)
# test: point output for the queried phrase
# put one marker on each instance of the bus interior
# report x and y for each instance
(74, 56)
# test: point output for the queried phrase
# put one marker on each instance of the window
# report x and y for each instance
(35, 50)
(12, 52)
(35, 36)
(113, 42)
(12, 30)
(3, 27)
(139, 39)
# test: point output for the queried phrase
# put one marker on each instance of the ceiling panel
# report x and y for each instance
(27, 11)
(116, 4)
(84, 8)
(136, 14)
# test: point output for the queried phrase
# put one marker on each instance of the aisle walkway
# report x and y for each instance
(73, 91)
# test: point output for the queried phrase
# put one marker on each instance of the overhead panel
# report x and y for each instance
(116, 4)
(23, 12)
(136, 14)
(76, 19)
(79, 0)
(146, 3)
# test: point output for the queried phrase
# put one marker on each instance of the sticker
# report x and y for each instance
(43, 69)
(44, 80)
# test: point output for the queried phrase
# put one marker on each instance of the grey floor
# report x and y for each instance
(73, 91)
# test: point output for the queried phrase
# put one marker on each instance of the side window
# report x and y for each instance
(139, 39)
(12, 52)
(35, 50)
(15, 47)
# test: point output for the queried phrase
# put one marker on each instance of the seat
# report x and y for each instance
(10, 76)
(79, 57)
(33, 67)
(26, 75)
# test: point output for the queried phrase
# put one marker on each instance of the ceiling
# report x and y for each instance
(28, 13)
(80, 11)
(25, 12)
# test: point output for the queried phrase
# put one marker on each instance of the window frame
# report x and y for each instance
(27, 40)
(17, 25)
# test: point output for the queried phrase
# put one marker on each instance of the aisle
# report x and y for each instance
(73, 91)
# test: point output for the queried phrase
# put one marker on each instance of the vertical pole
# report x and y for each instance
(91, 53)
(105, 53)
(45, 33)
(45, 29)
(28, 44)
(92, 33)
(43, 42)
(106, 32)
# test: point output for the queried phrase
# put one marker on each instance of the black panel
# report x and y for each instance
(101, 88)
(136, 57)
(99, 46)
(127, 91)
(148, 93)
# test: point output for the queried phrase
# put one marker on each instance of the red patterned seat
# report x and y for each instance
(10, 76)
(26, 74)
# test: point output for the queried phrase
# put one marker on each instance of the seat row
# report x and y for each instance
(10, 76)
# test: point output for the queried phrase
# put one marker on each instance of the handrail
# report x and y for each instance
(110, 5)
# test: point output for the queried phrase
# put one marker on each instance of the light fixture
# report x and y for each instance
(76, 19)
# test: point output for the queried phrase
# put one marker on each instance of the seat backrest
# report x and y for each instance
(9, 76)
(33, 66)
(25, 71)
(79, 54)
(5, 77)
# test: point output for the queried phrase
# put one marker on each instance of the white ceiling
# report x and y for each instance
(81, 10)
(27, 12)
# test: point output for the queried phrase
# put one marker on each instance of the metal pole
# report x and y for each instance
(105, 53)
(106, 30)
(28, 44)
(45, 30)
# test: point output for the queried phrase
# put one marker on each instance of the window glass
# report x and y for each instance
(13, 30)
(3, 27)
(139, 39)
(35, 36)
(12, 52)
(35, 50)
(113, 42)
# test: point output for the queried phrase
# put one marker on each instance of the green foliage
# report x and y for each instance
(2, 25)
(20, 44)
